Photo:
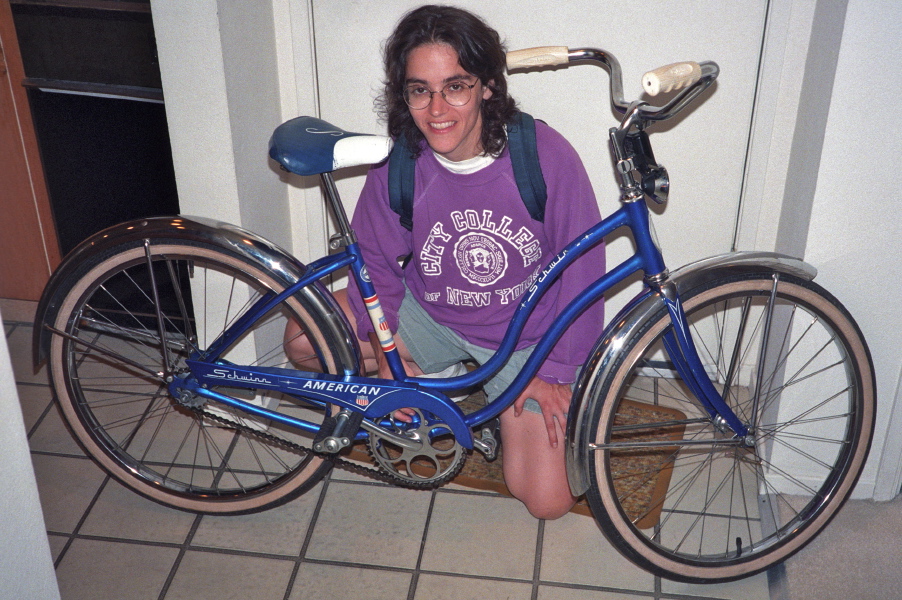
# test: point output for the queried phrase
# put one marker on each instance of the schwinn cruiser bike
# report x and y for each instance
(719, 423)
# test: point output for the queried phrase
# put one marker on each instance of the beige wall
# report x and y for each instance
(230, 68)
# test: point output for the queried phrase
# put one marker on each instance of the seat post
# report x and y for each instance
(345, 233)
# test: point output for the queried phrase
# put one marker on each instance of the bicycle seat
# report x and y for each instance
(310, 146)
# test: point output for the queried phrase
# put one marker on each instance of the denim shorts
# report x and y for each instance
(435, 347)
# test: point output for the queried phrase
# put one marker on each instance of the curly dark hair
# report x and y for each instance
(479, 51)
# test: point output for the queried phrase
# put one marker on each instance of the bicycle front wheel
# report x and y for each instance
(133, 310)
(686, 499)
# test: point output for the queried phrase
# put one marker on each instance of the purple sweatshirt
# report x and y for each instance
(476, 250)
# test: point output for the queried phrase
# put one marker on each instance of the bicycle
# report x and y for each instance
(718, 425)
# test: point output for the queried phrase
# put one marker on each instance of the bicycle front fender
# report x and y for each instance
(606, 354)
(230, 238)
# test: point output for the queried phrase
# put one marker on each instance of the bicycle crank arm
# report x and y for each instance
(399, 440)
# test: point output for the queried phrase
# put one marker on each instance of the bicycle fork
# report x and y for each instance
(633, 153)
(681, 348)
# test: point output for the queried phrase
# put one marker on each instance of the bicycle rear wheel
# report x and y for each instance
(133, 308)
(689, 502)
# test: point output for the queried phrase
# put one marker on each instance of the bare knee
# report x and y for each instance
(548, 504)
(298, 348)
(535, 472)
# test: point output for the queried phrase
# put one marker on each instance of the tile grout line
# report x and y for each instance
(84, 517)
(183, 549)
(415, 576)
(308, 536)
(41, 417)
(537, 564)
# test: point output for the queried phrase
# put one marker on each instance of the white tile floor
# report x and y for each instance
(347, 538)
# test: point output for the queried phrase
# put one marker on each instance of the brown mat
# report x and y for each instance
(642, 476)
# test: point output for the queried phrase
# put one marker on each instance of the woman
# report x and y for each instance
(474, 248)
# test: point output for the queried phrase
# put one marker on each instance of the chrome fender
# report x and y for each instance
(604, 356)
(235, 240)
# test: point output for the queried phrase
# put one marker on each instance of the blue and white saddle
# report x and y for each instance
(310, 146)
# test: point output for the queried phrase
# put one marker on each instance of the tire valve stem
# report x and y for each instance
(738, 547)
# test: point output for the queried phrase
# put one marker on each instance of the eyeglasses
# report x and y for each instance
(456, 93)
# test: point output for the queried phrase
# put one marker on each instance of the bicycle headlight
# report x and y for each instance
(656, 184)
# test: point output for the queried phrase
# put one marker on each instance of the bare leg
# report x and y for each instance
(301, 353)
(534, 472)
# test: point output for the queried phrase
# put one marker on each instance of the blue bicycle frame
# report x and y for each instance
(376, 398)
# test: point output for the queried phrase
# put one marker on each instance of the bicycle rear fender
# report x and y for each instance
(264, 254)
(604, 357)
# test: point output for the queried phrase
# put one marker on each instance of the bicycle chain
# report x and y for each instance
(375, 473)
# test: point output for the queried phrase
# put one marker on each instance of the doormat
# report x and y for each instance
(642, 475)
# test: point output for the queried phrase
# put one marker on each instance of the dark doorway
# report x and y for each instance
(97, 102)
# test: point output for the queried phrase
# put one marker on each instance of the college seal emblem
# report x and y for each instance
(480, 259)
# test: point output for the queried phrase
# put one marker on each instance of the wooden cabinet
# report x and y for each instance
(28, 245)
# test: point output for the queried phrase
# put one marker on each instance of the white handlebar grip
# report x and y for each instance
(544, 56)
(671, 77)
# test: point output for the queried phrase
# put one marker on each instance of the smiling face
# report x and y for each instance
(454, 132)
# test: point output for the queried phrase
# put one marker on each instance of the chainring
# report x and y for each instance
(421, 454)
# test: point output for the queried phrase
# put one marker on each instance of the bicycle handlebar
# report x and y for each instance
(671, 77)
(690, 77)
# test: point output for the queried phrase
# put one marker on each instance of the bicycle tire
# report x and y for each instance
(124, 417)
(713, 513)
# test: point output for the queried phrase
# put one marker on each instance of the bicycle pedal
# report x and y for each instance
(487, 443)
(337, 432)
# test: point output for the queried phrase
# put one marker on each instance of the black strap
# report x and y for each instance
(521, 139)
(401, 169)
(524, 153)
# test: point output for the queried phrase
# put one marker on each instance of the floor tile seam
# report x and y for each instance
(300, 559)
(356, 565)
(597, 588)
(84, 517)
(38, 422)
(458, 575)
(239, 552)
(415, 578)
(177, 563)
(473, 492)
(60, 455)
(370, 483)
(537, 560)
(34, 384)
(656, 594)
(90, 537)
(441, 490)
(565, 585)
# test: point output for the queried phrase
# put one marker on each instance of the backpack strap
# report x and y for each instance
(401, 166)
(521, 141)
(524, 153)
